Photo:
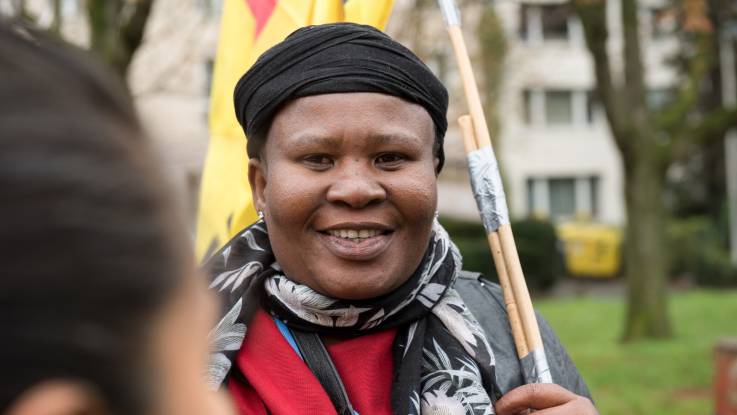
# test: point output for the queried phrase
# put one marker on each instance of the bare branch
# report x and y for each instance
(56, 21)
(593, 18)
(132, 30)
(114, 37)
(633, 69)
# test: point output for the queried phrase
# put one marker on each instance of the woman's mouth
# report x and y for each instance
(355, 235)
(356, 244)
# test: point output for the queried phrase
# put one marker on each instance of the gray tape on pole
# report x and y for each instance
(451, 14)
(488, 189)
(535, 367)
(527, 364)
(541, 366)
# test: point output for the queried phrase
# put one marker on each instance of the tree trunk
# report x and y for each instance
(645, 253)
(644, 168)
(116, 30)
(56, 21)
(492, 53)
(105, 39)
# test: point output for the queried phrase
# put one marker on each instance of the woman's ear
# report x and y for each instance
(257, 180)
(58, 398)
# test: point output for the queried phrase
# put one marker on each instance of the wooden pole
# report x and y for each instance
(520, 297)
(480, 129)
(510, 303)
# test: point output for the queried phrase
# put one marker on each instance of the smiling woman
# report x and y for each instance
(348, 296)
(330, 175)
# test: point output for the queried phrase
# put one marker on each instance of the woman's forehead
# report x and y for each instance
(382, 114)
(337, 120)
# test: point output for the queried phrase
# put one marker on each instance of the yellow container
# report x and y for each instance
(591, 249)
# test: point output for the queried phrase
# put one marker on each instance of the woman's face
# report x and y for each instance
(347, 185)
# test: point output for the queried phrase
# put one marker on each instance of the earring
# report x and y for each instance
(436, 215)
(260, 214)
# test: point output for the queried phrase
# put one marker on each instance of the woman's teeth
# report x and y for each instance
(355, 234)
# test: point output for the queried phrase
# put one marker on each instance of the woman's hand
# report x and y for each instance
(546, 399)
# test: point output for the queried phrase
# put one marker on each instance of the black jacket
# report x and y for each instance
(486, 302)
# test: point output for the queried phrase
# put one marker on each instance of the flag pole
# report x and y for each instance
(470, 144)
(491, 201)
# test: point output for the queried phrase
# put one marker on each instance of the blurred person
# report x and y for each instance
(347, 296)
(101, 309)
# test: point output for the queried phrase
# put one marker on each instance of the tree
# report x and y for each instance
(116, 27)
(701, 189)
(650, 141)
(492, 52)
(116, 30)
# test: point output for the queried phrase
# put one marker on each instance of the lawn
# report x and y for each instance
(671, 377)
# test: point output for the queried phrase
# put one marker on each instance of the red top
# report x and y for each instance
(279, 380)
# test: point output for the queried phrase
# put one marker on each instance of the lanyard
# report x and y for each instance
(310, 348)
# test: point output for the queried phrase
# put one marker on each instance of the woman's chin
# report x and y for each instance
(355, 286)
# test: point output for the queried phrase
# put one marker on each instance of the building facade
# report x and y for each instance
(558, 155)
(559, 158)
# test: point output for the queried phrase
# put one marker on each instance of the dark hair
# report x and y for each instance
(87, 238)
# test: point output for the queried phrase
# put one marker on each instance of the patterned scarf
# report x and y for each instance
(443, 362)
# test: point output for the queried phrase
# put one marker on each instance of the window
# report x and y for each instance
(524, 21)
(592, 106)
(544, 22)
(527, 109)
(555, 21)
(558, 107)
(658, 99)
(663, 21)
(69, 8)
(563, 198)
(594, 190)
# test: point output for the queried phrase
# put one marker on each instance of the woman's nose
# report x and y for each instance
(356, 189)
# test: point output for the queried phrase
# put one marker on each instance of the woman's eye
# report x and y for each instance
(390, 160)
(319, 161)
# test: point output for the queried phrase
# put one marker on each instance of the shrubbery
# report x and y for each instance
(536, 243)
(697, 250)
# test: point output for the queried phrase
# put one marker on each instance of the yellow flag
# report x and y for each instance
(248, 28)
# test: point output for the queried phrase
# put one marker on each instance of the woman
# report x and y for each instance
(348, 296)
(101, 309)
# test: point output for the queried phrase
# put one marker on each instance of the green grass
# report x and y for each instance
(650, 377)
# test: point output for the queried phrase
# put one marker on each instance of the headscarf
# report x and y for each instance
(443, 363)
(335, 58)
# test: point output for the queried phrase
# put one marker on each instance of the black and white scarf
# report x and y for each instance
(442, 360)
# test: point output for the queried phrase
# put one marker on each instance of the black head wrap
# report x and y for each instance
(335, 58)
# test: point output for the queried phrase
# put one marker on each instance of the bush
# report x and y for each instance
(687, 240)
(714, 269)
(536, 244)
(697, 250)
